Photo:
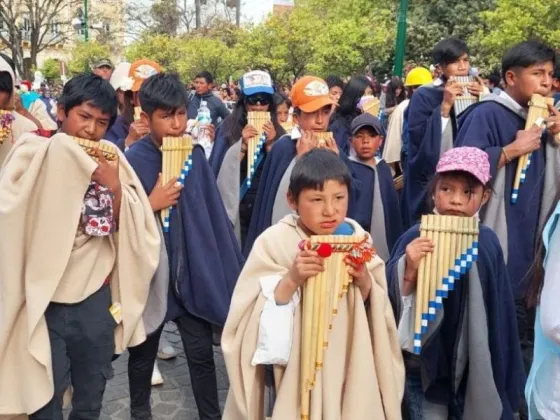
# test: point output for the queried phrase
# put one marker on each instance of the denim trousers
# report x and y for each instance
(82, 345)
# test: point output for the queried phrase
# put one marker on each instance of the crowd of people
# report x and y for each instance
(89, 268)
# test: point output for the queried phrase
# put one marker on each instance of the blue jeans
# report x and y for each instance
(82, 346)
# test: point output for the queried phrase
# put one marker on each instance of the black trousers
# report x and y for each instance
(526, 327)
(82, 346)
(196, 335)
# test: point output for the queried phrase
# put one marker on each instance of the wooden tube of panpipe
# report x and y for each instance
(428, 270)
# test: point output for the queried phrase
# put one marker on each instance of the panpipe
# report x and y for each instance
(6, 120)
(256, 144)
(372, 107)
(538, 113)
(323, 137)
(288, 126)
(137, 112)
(455, 242)
(321, 296)
(91, 147)
(466, 99)
(176, 164)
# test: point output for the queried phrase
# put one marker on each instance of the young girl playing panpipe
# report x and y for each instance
(362, 375)
(467, 363)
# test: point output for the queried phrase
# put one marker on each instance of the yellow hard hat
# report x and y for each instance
(418, 76)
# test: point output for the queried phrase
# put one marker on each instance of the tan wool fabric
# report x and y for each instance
(43, 258)
(363, 372)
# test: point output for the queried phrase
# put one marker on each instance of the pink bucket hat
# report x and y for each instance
(467, 159)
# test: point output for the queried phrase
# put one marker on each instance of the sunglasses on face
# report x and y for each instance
(257, 99)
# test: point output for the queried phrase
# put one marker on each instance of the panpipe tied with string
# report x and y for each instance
(321, 296)
(176, 164)
(256, 144)
(538, 113)
(6, 120)
(455, 242)
(91, 148)
(466, 99)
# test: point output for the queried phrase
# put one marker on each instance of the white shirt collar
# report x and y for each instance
(513, 103)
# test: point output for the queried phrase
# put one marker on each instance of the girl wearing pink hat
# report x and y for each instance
(469, 365)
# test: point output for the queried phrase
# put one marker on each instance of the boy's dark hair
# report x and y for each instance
(526, 54)
(472, 182)
(206, 75)
(316, 167)
(449, 50)
(334, 81)
(89, 88)
(162, 91)
(6, 82)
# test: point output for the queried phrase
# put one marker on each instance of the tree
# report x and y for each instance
(515, 21)
(84, 54)
(34, 25)
(161, 48)
(51, 69)
(166, 16)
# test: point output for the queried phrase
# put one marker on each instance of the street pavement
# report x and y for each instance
(174, 399)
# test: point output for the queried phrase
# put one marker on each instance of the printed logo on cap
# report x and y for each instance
(256, 79)
(144, 71)
(316, 88)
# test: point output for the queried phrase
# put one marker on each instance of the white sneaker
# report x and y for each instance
(157, 379)
(166, 351)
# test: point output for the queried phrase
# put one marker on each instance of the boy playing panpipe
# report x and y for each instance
(432, 124)
(362, 374)
(469, 364)
(497, 126)
(377, 207)
(204, 257)
(78, 250)
(312, 109)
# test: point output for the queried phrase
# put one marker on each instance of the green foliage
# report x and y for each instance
(513, 21)
(166, 16)
(345, 37)
(85, 53)
(51, 69)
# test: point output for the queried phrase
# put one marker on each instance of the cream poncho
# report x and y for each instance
(363, 373)
(43, 258)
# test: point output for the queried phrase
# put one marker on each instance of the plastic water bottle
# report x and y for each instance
(204, 119)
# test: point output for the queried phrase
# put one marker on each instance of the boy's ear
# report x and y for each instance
(291, 201)
(510, 77)
(144, 118)
(60, 113)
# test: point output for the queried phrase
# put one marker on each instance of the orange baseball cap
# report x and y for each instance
(310, 94)
(140, 70)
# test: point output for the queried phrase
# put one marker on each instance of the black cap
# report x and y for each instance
(366, 120)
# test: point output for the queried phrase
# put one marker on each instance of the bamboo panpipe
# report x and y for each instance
(321, 296)
(372, 107)
(455, 250)
(255, 144)
(323, 137)
(91, 147)
(137, 111)
(176, 164)
(466, 99)
(538, 113)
